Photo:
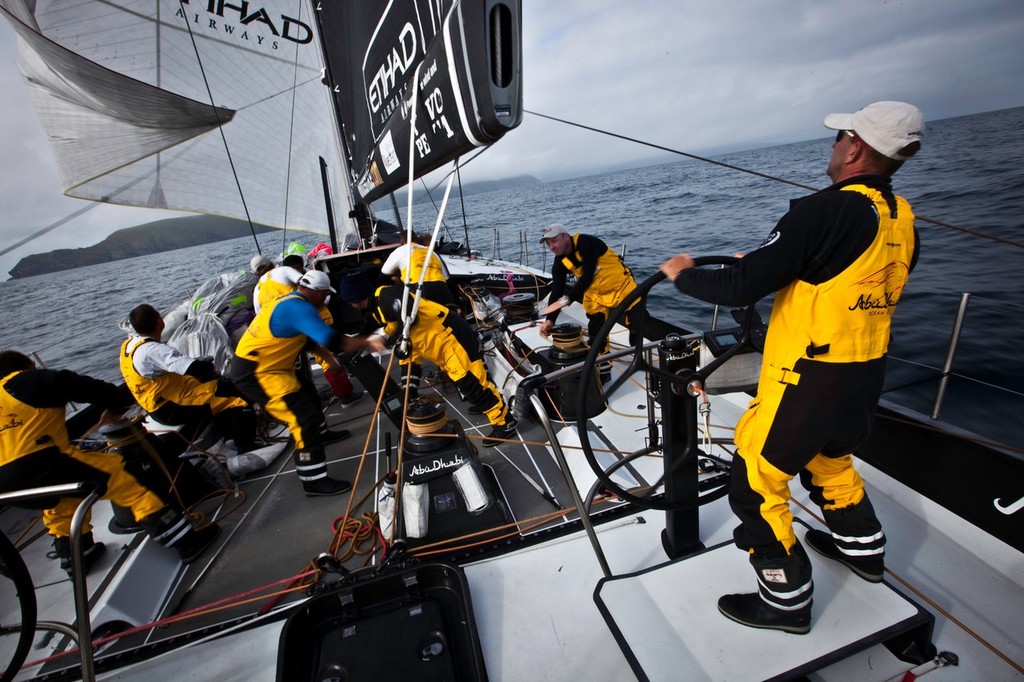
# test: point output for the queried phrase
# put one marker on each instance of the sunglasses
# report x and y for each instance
(839, 134)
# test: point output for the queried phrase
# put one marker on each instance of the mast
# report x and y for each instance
(332, 232)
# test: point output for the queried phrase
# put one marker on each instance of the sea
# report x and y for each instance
(966, 187)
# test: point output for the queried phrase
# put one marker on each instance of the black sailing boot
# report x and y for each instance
(311, 465)
(500, 434)
(870, 567)
(91, 552)
(325, 487)
(171, 529)
(856, 539)
(333, 435)
(783, 600)
(123, 521)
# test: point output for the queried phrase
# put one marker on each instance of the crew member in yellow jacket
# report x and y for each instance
(276, 282)
(838, 262)
(443, 337)
(36, 451)
(602, 280)
(178, 390)
(406, 264)
(263, 369)
(282, 280)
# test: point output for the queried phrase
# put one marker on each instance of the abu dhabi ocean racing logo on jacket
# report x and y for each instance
(9, 421)
(880, 291)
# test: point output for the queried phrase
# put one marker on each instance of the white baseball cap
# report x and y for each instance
(260, 263)
(886, 127)
(316, 280)
(552, 231)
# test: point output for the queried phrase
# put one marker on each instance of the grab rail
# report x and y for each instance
(943, 374)
(954, 339)
(563, 464)
(92, 491)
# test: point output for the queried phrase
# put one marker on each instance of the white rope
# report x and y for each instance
(407, 316)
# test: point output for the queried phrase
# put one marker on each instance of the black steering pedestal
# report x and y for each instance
(679, 387)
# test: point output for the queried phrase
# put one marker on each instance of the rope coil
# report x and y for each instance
(568, 338)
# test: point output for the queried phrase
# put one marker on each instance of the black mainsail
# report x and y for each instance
(459, 62)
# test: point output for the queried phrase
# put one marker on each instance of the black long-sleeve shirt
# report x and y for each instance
(818, 238)
(48, 388)
(587, 251)
(56, 388)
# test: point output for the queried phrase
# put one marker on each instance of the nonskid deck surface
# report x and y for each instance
(272, 533)
(540, 600)
(681, 629)
(543, 599)
(278, 532)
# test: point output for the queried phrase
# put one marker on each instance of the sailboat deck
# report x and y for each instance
(538, 594)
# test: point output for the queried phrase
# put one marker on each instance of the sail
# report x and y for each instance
(211, 107)
(464, 59)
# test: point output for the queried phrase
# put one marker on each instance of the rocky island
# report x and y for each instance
(141, 240)
(179, 233)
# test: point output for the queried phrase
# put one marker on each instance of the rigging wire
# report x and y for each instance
(220, 128)
(462, 203)
(933, 221)
(434, 203)
(291, 142)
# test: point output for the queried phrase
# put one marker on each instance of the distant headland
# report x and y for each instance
(141, 240)
(180, 233)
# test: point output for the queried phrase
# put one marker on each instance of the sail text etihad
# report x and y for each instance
(237, 19)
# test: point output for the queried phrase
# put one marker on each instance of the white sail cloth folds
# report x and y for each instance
(123, 89)
(98, 120)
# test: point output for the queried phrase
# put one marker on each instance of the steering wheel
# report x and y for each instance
(684, 380)
(12, 569)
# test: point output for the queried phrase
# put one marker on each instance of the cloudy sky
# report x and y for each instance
(703, 77)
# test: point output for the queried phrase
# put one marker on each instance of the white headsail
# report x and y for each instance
(186, 105)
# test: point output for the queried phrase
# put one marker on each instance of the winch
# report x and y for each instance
(561, 396)
(443, 486)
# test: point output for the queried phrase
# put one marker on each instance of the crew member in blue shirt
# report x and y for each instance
(263, 370)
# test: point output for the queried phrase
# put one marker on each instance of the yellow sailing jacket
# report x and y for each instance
(25, 429)
(613, 280)
(417, 257)
(179, 389)
(269, 352)
(271, 290)
(847, 318)
(152, 393)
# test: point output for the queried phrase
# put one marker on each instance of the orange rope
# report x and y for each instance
(335, 544)
(519, 527)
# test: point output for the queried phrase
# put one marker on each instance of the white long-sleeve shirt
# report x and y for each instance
(154, 359)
